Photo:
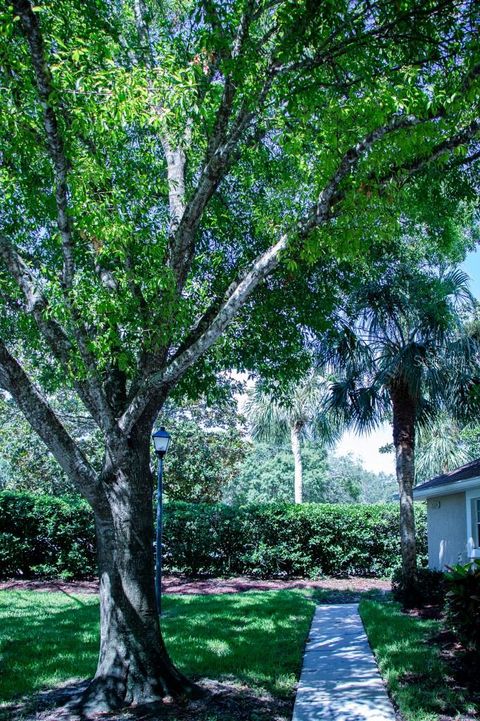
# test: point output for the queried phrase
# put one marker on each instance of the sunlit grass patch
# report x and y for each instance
(410, 664)
(45, 638)
(255, 638)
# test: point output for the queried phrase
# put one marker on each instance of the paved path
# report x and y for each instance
(340, 680)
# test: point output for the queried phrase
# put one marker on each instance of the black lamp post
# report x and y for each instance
(161, 441)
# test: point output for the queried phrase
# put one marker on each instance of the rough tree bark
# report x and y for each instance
(404, 417)
(297, 458)
(133, 664)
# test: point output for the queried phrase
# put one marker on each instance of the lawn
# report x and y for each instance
(418, 679)
(255, 637)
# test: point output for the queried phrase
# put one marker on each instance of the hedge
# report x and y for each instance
(45, 537)
(286, 540)
(41, 536)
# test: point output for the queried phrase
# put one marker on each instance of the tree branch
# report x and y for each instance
(214, 321)
(462, 137)
(174, 154)
(176, 161)
(31, 29)
(224, 140)
(44, 421)
(91, 392)
(213, 173)
(320, 211)
(266, 262)
(221, 146)
(234, 300)
(467, 160)
(224, 111)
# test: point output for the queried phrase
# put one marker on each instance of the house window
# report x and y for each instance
(476, 521)
(473, 523)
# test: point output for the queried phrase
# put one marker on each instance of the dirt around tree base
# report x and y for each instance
(187, 585)
(225, 700)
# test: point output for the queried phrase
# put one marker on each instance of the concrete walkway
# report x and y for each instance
(340, 680)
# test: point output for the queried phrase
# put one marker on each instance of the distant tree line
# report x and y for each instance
(211, 459)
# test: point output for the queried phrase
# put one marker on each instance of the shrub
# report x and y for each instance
(429, 588)
(463, 604)
(45, 536)
(13, 553)
(285, 540)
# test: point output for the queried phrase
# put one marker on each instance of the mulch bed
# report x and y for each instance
(428, 613)
(185, 585)
(463, 667)
(462, 670)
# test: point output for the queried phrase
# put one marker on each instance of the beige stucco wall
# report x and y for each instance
(447, 530)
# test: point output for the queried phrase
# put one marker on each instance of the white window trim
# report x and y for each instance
(472, 550)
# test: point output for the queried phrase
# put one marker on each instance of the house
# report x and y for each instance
(453, 515)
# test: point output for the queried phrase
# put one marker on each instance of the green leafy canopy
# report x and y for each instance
(314, 77)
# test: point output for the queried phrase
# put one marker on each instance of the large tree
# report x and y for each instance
(166, 168)
(402, 354)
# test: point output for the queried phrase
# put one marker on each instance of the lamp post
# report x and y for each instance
(161, 441)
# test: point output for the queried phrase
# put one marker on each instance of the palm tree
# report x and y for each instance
(441, 447)
(300, 413)
(401, 354)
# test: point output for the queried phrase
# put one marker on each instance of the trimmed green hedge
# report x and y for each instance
(42, 536)
(284, 539)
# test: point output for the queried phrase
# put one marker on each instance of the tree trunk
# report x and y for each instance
(133, 664)
(297, 458)
(404, 417)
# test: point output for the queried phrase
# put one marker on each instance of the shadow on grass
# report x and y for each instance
(334, 596)
(257, 638)
(222, 701)
(417, 677)
(44, 640)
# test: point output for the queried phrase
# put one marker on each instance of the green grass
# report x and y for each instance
(257, 638)
(416, 676)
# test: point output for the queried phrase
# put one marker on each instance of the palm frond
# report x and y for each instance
(406, 331)
(439, 447)
(303, 405)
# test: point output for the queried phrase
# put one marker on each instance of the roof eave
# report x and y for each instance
(447, 489)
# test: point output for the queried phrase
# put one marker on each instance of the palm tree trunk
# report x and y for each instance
(404, 417)
(297, 458)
